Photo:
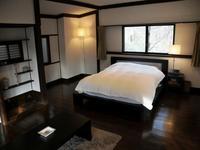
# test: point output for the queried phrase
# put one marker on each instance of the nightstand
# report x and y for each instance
(176, 81)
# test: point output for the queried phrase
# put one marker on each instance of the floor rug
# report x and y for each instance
(101, 140)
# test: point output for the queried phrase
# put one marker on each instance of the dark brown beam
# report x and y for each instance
(88, 13)
(68, 15)
(13, 25)
(48, 16)
(150, 55)
(135, 3)
(72, 2)
(38, 45)
(97, 41)
(115, 25)
(82, 4)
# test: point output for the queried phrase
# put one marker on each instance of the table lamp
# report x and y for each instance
(82, 34)
(175, 50)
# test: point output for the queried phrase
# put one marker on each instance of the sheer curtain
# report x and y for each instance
(101, 43)
(196, 52)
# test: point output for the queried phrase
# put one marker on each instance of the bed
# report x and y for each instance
(117, 82)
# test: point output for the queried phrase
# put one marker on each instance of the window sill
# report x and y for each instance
(150, 54)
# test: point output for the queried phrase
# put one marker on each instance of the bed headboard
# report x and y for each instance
(159, 63)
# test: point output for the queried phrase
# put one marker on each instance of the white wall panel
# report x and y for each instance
(33, 56)
(185, 36)
(187, 10)
(17, 11)
(52, 72)
(10, 71)
(48, 26)
(90, 45)
(70, 48)
(54, 48)
(181, 11)
(113, 39)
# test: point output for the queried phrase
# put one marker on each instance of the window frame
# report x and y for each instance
(147, 37)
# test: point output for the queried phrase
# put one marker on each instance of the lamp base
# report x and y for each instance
(175, 71)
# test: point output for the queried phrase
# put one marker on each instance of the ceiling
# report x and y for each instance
(54, 8)
(107, 2)
(76, 7)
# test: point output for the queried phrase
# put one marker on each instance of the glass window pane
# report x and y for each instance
(160, 38)
(45, 50)
(135, 38)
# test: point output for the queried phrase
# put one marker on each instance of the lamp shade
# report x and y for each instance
(81, 32)
(175, 49)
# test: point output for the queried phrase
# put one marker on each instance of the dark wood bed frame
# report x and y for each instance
(79, 97)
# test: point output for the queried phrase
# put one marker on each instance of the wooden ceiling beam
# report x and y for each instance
(88, 5)
(76, 3)
(137, 3)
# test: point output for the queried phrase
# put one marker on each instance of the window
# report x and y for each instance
(160, 38)
(135, 39)
(148, 39)
(46, 50)
(11, 52)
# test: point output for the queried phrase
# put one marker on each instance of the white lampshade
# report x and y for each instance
(175, 49)
(81, 32)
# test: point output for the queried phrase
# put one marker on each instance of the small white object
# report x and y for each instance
(175, 49)
(46, 131)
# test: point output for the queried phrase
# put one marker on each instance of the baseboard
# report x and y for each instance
(28, 94)
(63, 80)
(52, 83)
(195, 91)
(75, 78)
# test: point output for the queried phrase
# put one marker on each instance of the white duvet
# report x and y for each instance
(123, 80)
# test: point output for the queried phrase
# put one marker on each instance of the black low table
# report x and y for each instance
(66, 125)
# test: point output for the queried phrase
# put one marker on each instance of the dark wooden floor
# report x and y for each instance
(174, 124)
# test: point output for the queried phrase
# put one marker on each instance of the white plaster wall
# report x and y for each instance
(187, 10)
(184, 35)
(49, 27)
(52, 72)
(33, 56)
(90, 45)
(113, 35)
(17, 11)
(71, 54)
(182, 11)
(77, 55)
(54, 48)
(9, 71)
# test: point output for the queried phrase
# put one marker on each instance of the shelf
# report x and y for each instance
(23, 72)
(13, 40)
(16, 85)
(15, 25)
(10, 63)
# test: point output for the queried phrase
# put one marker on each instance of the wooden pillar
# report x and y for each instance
(38, 45)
